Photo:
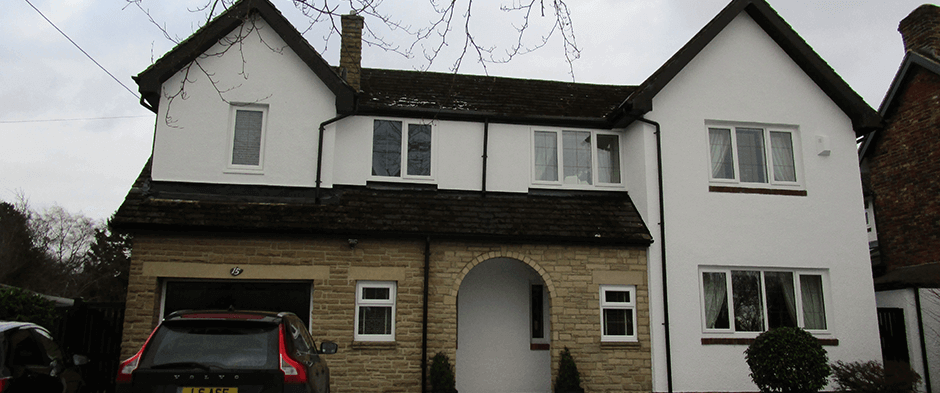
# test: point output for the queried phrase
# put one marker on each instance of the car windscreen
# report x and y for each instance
(213, 345)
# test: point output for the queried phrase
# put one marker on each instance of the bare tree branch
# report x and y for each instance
(451, 21)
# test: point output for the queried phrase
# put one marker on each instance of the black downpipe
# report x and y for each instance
(424, 324)
(662, 245)
(923, 341)
(486, 143)
(320, 152)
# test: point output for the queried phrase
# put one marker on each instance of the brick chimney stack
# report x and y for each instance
(350, 53)
(921, 30)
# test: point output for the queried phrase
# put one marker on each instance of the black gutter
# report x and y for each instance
(320, 152)
(600, 122)
(923, 341)
(662, 245)
(424, 324)
(486, 142)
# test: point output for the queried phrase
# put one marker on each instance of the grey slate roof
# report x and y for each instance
(383, 210)
(477, 98)
(918, 276)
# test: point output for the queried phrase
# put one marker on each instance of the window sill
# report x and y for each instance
(539, 347)
(764, 191)
(243, 171)
(826, 342)
(620, 344)
(374, 345)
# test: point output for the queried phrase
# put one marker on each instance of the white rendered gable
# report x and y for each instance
(743, 77)
(192, 142)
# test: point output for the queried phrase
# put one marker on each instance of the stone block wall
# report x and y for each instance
(572, 275)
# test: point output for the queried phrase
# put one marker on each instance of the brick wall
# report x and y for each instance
(904, 167)
(572, 275)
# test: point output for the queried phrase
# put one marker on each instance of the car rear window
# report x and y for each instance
(214, 344)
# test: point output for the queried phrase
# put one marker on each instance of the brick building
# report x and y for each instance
(502, 220)
(899, 167)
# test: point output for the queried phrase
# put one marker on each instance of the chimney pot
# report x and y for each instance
(920, 30)
(350, 53)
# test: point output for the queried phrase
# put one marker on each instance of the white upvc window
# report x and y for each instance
(753, 300)
(618, 313)
(576, 158)
(246, 138)
(402, 149)
(754, 155)
(375, 311)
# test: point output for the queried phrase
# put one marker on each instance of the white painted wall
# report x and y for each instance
(930, 314)
(493, 331)
(193, 147)
(192, 142)
(744, 76)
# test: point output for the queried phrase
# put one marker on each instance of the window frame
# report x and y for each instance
(797, 291)
(767, 129)
(630, 306)
(403, 159)
(559, 153)
(230, 166)
(391, 302)
(538, 313)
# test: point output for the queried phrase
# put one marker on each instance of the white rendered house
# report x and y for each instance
(653, 230)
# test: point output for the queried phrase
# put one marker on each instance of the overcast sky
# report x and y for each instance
(73, 136)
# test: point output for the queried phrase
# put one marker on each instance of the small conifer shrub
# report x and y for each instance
(569, 379)
(442, 374)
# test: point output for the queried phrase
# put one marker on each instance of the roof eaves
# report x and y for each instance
(485, 116)
(641, 101)
(151, 79)
(910, 59)
(864, 118)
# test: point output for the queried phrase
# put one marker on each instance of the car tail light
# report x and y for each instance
(4, 384)
(294, 371)
(128, 366)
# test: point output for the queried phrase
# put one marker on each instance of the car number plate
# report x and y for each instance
(208, 390)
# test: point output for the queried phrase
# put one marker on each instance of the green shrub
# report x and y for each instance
(442, 374)
(24, 306)
(787, 360)
(569, 379)
(870, 377)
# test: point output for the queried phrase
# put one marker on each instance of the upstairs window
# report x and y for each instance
(394, 145)
(755, 155)
(247, 137)
(584, 158)
(755, 300)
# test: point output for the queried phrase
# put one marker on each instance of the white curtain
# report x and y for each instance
(814, 310)
(781, 144)
(722, 164)
(546, 156)
(716, 298)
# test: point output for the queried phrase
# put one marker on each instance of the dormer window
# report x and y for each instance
(396, 142)
(586, 158)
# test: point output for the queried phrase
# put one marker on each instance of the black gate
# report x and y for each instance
(893, 336)
(93, 330)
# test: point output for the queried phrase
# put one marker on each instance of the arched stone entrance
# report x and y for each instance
(503, 329)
